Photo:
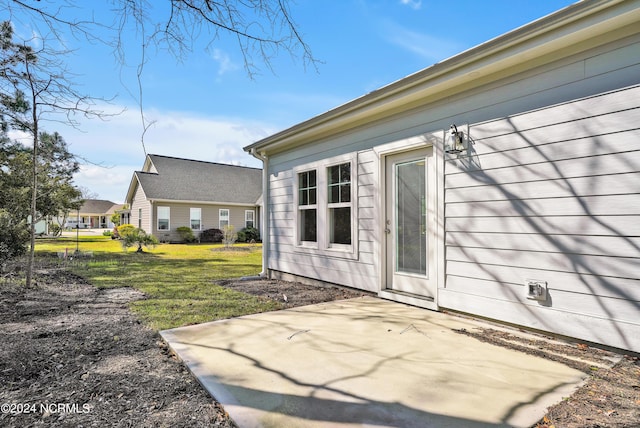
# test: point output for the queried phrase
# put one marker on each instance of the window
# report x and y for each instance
(163, 218)
(249, 219)
(223, 218)
(339, 203)
(195, 218)
(139, 218)
(307, 206)
(326, 207)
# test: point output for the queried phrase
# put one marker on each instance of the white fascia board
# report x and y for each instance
(180, 201)
(131, 190)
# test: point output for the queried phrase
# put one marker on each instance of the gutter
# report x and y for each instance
(264, 232)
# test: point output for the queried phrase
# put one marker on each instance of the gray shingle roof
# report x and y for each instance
(96, 206)
(191, 180)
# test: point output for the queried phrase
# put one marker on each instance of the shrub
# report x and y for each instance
(140, 238)
(211, 235)
(186, 234)
(248, 234)
(14, 237)
(107, 233)
(55, 229)
(125, 229)
(229, 235)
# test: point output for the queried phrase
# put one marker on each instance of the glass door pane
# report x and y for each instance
(411, 218)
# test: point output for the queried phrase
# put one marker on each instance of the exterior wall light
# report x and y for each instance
(454, 141)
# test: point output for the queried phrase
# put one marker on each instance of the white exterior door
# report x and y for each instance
(410, 222)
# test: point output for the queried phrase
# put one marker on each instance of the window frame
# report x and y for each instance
(228, 216)
(336, 205)
(253, 219)
(323, 245)
(191, 217)
(299, 209)
(158, 218)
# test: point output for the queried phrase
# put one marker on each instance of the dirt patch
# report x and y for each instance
(609, 398)
(74, 355)
(291, 294)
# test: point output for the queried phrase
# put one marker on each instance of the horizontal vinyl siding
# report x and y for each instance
(557, 181)
(140, 202)
(552, 195)
(180, 216)
(285, 256)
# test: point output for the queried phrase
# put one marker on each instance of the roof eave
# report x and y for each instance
(550, 33)
(132, 186)
(185, 201)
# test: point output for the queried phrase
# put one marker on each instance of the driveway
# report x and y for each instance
(366, 362)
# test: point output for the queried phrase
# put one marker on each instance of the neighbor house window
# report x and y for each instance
(164, 218)
(195, 215)
(339, 203)
(307, 205)
(139, 218)
(223, 217)
(249, 221)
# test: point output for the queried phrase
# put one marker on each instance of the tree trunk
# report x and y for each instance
(34, 192)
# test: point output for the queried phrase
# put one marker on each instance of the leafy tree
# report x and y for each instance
(55, 192)
(33, 89)
(115, 219)
(140, 238)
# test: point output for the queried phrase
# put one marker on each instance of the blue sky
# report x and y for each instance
(207, 107)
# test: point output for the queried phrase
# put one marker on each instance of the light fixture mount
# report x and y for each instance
(454, 141)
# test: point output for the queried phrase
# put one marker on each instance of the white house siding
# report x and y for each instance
(552, 195)
(358, 271)
(138, 203)
(559, 196)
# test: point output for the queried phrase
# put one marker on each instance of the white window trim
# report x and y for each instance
(220, 226)
(199, 217)
(323, 245)
(328, 206)
(253, 218)
(168, 218)
(297, 209)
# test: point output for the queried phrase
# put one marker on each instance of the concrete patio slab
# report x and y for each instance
(366, 362)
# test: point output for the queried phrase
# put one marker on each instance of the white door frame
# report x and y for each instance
(407, 279)
(433, 141)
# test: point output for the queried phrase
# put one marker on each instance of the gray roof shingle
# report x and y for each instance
(96, 206)
(191, 180)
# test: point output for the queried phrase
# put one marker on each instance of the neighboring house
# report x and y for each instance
(171, 192)
(93, 214)
(533, 220)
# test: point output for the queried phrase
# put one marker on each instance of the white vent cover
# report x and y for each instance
(536, 289)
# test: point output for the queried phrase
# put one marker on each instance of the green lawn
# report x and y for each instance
(177, 278)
